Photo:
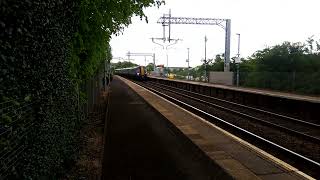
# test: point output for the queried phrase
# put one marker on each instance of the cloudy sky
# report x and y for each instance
(261, 23)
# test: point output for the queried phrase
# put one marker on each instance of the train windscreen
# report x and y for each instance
(142, 70)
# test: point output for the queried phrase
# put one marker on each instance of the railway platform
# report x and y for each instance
(292, 96)
(149, 137)
(142, 144)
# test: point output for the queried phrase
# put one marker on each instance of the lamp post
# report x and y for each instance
(205, 56)
(238, 59)
(188, 60)
(175, 42)
(167, 62)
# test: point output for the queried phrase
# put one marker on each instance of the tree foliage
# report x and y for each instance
(48, 49)
(287, 67)
(216, 64)
(124, 64)
(98, 21)
(150, 67)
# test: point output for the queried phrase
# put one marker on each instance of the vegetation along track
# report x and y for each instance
(294, 140)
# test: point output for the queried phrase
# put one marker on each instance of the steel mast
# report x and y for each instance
(167, 20)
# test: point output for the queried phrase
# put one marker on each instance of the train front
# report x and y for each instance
(143, 73)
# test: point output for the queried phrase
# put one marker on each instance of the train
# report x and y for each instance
(137, 72)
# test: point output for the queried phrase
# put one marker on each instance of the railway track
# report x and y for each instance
(295, 140)
(292, 125)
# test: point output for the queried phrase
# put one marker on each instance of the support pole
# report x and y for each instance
(167, 59)
(238, 63)
(205, 48)
(224, 23)
(205, 57)
(154, 61)
(145, 61)
(227, 46)
(169, 26)
(164, 33)
(188, 64)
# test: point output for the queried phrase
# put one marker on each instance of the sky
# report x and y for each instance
(260, 23)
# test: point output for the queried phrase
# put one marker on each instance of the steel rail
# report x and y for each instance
(315, 139)
(252, 135)
(248, 107)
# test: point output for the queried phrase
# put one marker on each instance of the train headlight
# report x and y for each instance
(138, 74)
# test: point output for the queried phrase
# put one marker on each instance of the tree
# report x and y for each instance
(287, 67)
(150, 67)
(48, 49)
(98, 20)
(218, 64)
(124, 64)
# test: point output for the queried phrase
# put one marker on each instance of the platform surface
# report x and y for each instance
(142, 144)
(314, 99)
(238, 158)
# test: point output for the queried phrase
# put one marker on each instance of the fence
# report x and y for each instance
(298, 82)
(295, 82)
(92, 88)
(19, 120)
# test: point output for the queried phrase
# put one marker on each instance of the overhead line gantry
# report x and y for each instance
(167, 20)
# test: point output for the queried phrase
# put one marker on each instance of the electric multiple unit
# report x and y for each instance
(138, 72)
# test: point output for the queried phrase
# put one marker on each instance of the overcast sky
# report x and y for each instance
(261, 23)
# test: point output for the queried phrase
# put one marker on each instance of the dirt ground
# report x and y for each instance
(89, 164)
